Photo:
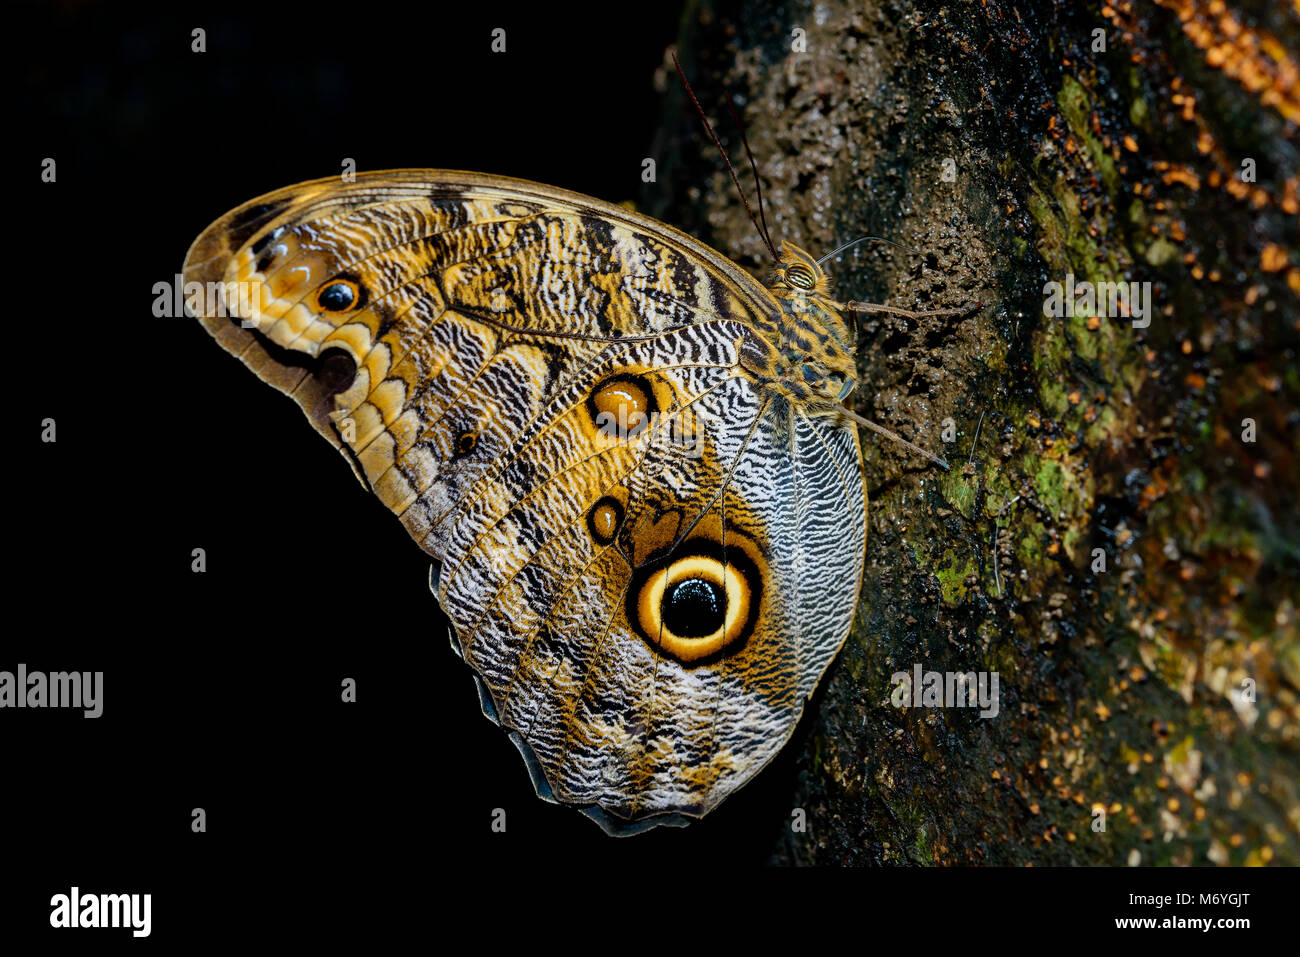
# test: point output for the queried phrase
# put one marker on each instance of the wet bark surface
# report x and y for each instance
(1117, 538)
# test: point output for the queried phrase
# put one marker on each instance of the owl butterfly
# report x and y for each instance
(627, 458)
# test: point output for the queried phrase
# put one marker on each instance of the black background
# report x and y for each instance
(222, 690)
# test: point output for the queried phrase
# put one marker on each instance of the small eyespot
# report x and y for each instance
(801, 277)
(623, 401)
(605, 519)
(466, 442)
(338, 296)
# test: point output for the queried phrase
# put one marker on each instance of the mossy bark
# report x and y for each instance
(1118, 537)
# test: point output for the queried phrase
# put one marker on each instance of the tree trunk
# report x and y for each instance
(1117, 537)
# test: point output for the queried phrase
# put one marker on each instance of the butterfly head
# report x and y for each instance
(816, 348)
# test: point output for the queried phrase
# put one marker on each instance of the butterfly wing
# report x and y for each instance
(647, 560)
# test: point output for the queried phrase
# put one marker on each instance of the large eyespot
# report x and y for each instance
(338, 295)
(622, 405)
(605, 519)
(696, 602)
(801, 277)
(694, 607)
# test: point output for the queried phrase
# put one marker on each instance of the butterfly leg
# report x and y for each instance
(867, 307)
(870, 307)
(880, 429)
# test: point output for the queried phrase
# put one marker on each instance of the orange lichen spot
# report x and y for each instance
(1075, 397)
(1195, 380)
(1273, 258)
(1290, 199)
(1254, 58)
(1181, 174)
(1130, 144)
(1293, 280)
(1186, 347)
(1094, 323)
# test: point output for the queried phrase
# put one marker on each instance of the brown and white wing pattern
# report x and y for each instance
(647, 561)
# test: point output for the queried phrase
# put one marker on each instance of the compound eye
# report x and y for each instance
(800, 277)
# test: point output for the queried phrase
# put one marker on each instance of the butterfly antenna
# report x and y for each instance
(862, 239)
(893, 435)
(753, 165)
(730, 169)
